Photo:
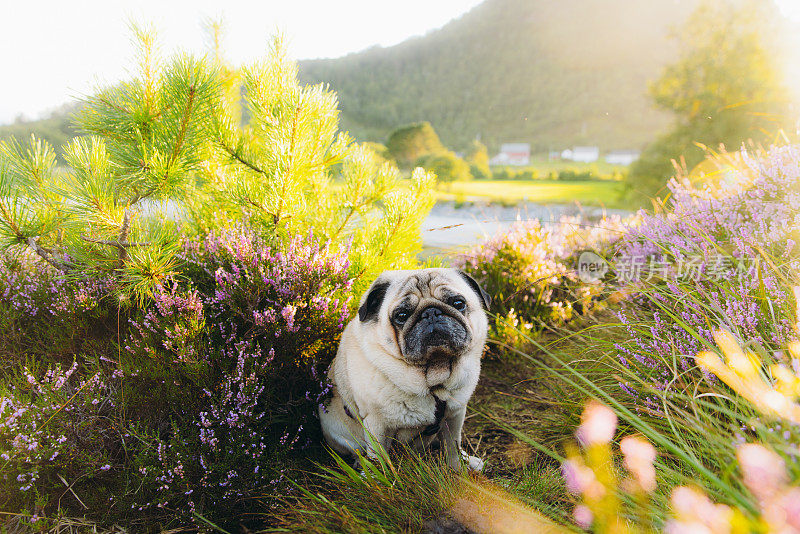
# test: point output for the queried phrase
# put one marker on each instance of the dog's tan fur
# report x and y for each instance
(391, 398)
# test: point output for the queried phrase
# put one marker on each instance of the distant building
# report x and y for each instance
(622, 157)
(584, 154)
(518, 154)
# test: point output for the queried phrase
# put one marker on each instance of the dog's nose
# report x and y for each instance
(433, 320)
(431, 312)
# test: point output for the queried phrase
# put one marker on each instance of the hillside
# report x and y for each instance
(56, 128)
(550, 73)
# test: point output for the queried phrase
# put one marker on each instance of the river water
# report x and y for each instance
(449, 229)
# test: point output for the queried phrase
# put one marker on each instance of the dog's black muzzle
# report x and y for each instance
(435, 334)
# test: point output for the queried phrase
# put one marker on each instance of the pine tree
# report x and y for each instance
(289, 170)
(104, 213)
(176, 146)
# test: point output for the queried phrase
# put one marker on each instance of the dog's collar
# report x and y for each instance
(429, 430)
(439, 414)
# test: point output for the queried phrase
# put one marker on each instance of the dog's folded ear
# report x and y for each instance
(372, 304)
(486, 299)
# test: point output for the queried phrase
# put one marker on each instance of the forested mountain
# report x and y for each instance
(554, 73)
(56, 127)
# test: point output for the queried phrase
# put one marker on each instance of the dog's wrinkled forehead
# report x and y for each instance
(396, 286)
(425, 284)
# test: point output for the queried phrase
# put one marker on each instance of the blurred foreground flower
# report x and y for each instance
(598, 424)
(764, 473)
(592, 476)
(773, 393)
(696, 513)
(639, 456)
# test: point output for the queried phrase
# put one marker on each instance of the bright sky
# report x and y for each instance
(52, 51)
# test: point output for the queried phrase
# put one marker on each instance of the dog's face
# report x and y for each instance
(427, 317)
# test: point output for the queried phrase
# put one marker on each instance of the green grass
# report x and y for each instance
(592, 193)
(518, 401)
(397, 494)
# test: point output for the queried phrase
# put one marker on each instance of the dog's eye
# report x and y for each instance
(401, 316)
(459, 304)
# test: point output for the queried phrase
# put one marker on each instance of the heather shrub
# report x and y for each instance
(530, 270)
(45, 314)
(273, 314)
(703, 367)
(166, 360)
(719, 256)
(58, 393)
(718, 457)
(171, 328)
(197, 404)
(56, 431)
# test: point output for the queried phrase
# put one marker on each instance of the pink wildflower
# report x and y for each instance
(598, 425)
(581, 479)
(695, 513)
(583, 516)
(639, 456)
(577, 476)
(790, 506)
(764, 471)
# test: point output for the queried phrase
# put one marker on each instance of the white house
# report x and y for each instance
(518, 154)
(622, 157)
(584, 154)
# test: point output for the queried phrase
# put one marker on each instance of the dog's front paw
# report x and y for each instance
(458, 462)
(474, 463)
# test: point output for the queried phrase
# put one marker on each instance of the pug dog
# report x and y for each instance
(408, 364)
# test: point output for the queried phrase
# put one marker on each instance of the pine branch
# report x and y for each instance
(385, 243)
(117, 244)
(140, 196)
(48, 256)
(184, 125)
(238, 157)
(44, 253)
(123, 236)
(176, 149)
(391, 235)
(9, 220)
(353, 209)
(292, 141)
(115, 107)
